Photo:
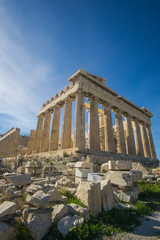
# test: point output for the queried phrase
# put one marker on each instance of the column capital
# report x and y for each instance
(126, 114)
(105, 104)
(116, 110)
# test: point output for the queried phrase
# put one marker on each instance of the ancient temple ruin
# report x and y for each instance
(131, 136)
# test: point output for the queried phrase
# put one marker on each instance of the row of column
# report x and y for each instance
(138, 143)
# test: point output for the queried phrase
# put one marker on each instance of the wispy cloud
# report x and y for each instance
(22, 78)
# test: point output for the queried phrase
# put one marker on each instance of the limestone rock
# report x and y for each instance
(119, 165)
(90, 194)
(104, 167)
(59, 211)
(120, 178)
(108, 200)
(33, 188)
(126, 195)
(65, 182)
(54, 195)
(19, 180)
(7, 208)
(75, 209)
(137, 166)
(137, 175)
(40, 199)
(38, 224)
(69, 222)
(7, 231)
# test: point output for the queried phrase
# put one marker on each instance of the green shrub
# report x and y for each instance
(23, 233)
(65, 154)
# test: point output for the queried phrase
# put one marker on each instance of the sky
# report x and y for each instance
(43, 42)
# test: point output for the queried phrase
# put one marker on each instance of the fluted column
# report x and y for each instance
(79, 128)
(53, 145)
(108, 130)
(138, 138)
(31, 142)
(94, 125)
(121, 145)
(102, 137)
(151, 142)
(66, 127)
(45, 134)
(38, 134)
(129, 135)
(88, 110)
(145, 141)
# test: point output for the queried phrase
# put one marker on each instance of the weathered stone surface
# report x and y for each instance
(59, 211)
(19, 203)
(105, 167)
(90, 194)
(85, 165)
(69, 222)
(7, 231)
(65, 182)
(40, 199)
(127, 196)
(21, 169)
(82, 172)
(38, 224)
(54, 195)
(19, 180)
(96, 177)
(137, 175)
(75, 209)
(120, 165)
(3, 187)
(7, 208)
(137, 166)
(33, 188)
(108, 200)
(120, 178)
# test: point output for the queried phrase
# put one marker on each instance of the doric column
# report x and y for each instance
(138, 138)
(79, 127)
(121, 145)
(53, 144)
(66, 127)
(145, 141)
(88, 110)
(151, 142)
(102, 137)
(31, 142)
(108, 130)
(38, 135)
(94, 125)
(45, 134)
(129, 135)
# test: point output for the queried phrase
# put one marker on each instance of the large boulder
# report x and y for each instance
(75, 209)
(119, 165)
(7, 208)
(33, 188)
(68, 223)
(121, 178)
(59, 211)
(19, 179)
(90, 194)
(38, 224)
(108, 200)
(40, 199)
(7, 231)
(55, 196)
(137, 175)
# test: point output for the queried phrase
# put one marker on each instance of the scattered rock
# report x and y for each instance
(59, 211)
(75, 209)
(40, 199)
(7, 208)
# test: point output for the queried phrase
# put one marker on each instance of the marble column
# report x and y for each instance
(138, 138)
(31, 142)
(79, 128)
(102, 137)
(121, 145)
(108, 130)
(151, 142)
(38, 134)
(66, 126)
(45, 134)
(88, 110)
(145, 141)
(53, 145)
(129, 135)
(94, 125)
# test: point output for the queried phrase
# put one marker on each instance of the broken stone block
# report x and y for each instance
(120, 165)
(126, 195)
(85, 165)
(54, 195)
(21, 169)
(7, 231)
(90, 194)
(105, 167)
(69, 222)
(96, 177)
(108, 200)
(7, 208)
(82, 173)
(59, 211)
(120, 178)
(38, 224)
(137, 175)
(19, 179)
(40, 199)
(33, 188)
(75, 209)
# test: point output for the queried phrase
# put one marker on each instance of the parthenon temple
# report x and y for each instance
(130, 135)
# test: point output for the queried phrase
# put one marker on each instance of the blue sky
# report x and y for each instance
(43, 42)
